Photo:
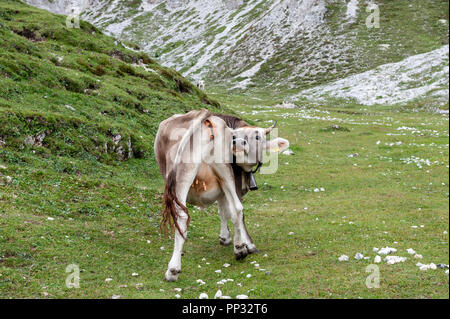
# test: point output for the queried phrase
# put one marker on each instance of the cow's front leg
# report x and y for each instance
(246, 238)
(242, 242)
(224, 237)
(233, 205)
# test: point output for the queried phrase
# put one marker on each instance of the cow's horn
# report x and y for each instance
(268, 130)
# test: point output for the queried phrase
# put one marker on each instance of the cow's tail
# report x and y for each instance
(171, 201)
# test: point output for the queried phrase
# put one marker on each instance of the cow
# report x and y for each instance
(201, 85)
(206, 158)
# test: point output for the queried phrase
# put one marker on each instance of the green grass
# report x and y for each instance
(71, 202)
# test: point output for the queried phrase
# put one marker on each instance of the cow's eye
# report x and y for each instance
(257, 137)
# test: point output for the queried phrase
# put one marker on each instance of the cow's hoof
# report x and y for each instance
(225, 241)
(240, 251)
(253, 250)
(172, 275)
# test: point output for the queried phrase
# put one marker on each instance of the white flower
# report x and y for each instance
(50, 218)
(343, 258)
(177, 296)
(203, 296)
(377, 259)
(177, 289)
(248, 275)
(359, 256)
(135, 274)
(241, 297)
(411, 251)
(226, 265)
(108, 279)
(218, 271)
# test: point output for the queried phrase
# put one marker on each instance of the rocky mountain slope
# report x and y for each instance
(419, 76)
(282, 46)
(285, 44)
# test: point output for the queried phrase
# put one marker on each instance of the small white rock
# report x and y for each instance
(386, 251)
(201, 282)
(218, 271)
(226, 265)
(241, 297)
(411, 251)
(135, 274)
(108, 279)
(343, 258)
(390, 260)
(177, 296)
(203, 296)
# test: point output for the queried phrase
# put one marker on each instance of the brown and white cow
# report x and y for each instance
(207, 158)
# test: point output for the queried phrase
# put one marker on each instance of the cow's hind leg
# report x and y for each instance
(224, 237)
(185, 178)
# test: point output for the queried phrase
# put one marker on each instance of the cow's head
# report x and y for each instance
(249, 144)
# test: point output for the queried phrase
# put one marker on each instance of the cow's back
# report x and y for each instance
(170, 133)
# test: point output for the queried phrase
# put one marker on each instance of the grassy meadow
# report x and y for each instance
(359, 178)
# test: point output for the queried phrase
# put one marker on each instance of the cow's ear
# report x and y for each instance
(277, 145)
